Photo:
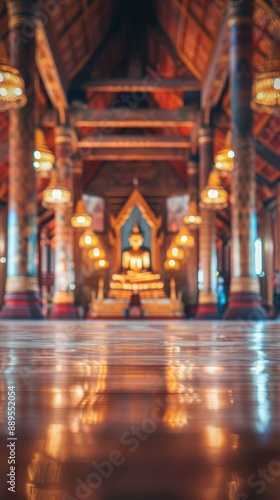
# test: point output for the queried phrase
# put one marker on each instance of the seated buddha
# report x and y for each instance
(136, 274)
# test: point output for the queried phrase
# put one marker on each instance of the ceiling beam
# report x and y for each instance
(267, 154)
(218, 69)
(145, 84)
(134, 141)
(126, 117)
(136, 154)
(49, 69)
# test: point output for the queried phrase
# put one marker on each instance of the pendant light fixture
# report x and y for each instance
(266, 87)
(80, 218)
(88, 239)
(101, 264)
(214, 194)
(174, 252)
(96, 253)
(56, 194)
(193, 219)
(43, 158)
(224, 158)
(172, 265)
(12, 88)
(184, 238)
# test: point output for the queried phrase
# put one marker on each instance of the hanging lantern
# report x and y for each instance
(214, 194)
(184, 238)
(43, 159)
(12, 89)
(101, 264)
(96, 253)
(172, 265)
(175, 253)
(266, 87)
(88, 239)
(193, 219)
(80, 217)
(55, 193)
(224, 160)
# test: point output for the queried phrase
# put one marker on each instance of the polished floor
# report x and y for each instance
(142, 410)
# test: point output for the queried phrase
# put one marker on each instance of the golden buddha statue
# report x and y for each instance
(136, 275)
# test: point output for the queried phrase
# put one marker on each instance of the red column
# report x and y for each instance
(207, 301)
(22, 291)
(192, 262)
(64, 273)
(3, 251)
(245, 299)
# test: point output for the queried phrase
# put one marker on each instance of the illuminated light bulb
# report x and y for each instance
(175, 253)
(18, 91)
(276, 84)
(81, 219)
(96, 253)
(37, 155)
(213, 194)
(231, 154)
(57, 194)
(88, 239)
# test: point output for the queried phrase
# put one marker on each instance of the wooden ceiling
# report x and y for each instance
(163, 60)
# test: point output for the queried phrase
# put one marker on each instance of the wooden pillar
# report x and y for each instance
(277, 231)
(192, 262)
(245, 298)
(64, 273)
(266, 280)
(207, 301)
(3, 252)
(77, 195)
(22, 299)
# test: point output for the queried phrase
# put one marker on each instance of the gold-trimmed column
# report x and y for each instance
(64, 273)
(22, 299)
(245, 299)
(192, 263)
(78, 232)
(207, 300)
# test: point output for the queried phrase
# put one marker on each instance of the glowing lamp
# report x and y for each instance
(184, 238)
(43, 159)
(214, 194)
(88, 239)
(172, 265)
(55, 193)
(80, 218)
(266, 87)
(175, 253)
(96, 253)
(101, 264)
(193, 219)
(12, 89)
(224, 160)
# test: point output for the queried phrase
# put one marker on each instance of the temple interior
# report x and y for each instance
(139, 249)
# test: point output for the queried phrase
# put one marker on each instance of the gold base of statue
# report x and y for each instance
(157, 305)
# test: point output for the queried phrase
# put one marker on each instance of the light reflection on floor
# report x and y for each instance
(142, 410)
